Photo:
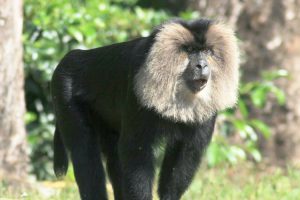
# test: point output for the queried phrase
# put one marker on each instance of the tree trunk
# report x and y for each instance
(13, 146)
(270, 33)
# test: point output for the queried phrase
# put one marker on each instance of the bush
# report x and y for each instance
(239, 124)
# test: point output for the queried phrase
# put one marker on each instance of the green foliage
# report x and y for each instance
(239, 125)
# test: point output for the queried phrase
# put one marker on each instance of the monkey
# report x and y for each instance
(114, 104)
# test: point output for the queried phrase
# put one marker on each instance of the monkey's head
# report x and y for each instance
(191, 71)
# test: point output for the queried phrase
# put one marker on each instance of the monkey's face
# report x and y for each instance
(191, 71)
(198, 71)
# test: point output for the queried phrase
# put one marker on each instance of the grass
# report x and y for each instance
(226, 183)
(245, 183)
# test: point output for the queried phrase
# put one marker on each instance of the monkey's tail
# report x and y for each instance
(61, 160)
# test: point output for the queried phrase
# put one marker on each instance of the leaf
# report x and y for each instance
(30, 117)
(261, 127)
(271, 75)
(243, 108)
(256, 155)
(258, 96)
(250, 132)
(239, 152)
(279, 95)
(240, 126)
(247, 87)
(214, 154)
(76, 34)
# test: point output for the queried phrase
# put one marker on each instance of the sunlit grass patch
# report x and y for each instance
(226, 183)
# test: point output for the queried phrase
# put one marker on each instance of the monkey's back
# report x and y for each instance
(98, 78)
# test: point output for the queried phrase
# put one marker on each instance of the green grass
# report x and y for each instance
(227, 183)
(245, 183)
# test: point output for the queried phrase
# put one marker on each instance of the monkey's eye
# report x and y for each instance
(189, 49)
(208, 52)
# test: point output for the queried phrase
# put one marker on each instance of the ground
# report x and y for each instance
(226, 183)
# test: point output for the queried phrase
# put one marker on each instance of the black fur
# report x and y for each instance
(99, 117)
(60, 156)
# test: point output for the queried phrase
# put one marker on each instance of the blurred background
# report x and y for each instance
(255, 152)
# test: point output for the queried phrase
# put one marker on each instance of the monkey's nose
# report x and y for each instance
(202, 64)
(205, 72)
(203, 69)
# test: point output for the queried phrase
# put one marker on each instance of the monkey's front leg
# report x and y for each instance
(181, 161)
(136, 156)
(178, 169)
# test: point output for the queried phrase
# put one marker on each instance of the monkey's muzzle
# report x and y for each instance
(198, 79)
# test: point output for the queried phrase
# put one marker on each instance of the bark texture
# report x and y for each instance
(13, 151)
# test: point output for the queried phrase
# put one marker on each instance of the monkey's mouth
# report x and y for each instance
(196, 85)
(200, 82)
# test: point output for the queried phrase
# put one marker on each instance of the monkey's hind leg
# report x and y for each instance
(82, 142)
(109, 145)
